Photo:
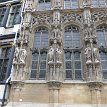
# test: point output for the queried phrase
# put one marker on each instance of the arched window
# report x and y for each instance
(70, 4)
(102, 43)
(73, 66)
(102, 36)
(39, 54)
(98, 3)
(44, 5)
(103, 58)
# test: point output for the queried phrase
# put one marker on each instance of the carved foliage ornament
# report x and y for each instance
(41, 19)
(66, 17)
(99, 16)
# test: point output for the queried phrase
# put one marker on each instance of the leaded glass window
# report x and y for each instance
(98, 3)
(103, 58)
(39, 55)
(70, 4)
(2, 15)
(102, 36)
(71, 37)
(14, 15)
(73, 65)
(44, 5)
(4, 58)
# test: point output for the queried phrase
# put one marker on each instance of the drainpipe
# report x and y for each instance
(6, 84)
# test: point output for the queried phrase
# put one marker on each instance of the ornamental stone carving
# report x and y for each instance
(51, 55)
(96, 55)
(58, 55)
(99, 16)
(86, 3)
(67, 17)
(42, 18)
(88, 53)
(16, 56)
(56, 18)
(57, 4)
(22, 56)
(29, 5)
(56, 36)
(19, 56)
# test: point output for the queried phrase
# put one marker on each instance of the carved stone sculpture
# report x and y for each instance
(51, 55)
(57, 3)
(29, 5)
(96, 55)
(58, 55)
(16, 56)
(56, 18)
(22, 56)
(87, 18)
(88, 55)
(86, 3)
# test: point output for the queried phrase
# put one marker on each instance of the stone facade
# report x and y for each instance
(55, 91)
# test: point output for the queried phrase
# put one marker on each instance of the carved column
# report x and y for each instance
(54, 75)
(19, 61)
(93, 68)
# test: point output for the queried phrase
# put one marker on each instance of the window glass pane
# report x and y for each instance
(11, 20)
(104, 64)
(44, 5)
(77, 65)
(95, 3)
(74, 3)
(43, 56)
(78, 75)
(68, 65)
(35, 56)
(76, 39)
(105, 74)
(103, 56)
(2, 15)
(69, 74)
(101, 38)
(14, 17)
(67, 4)
(33, 73)
(34, 64)
(68, 39)
(102, 2)
(68, 56)
(42, 73)
(76, 55)
(43, 65)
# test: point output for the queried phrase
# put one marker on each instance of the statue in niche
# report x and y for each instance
(87, 18)
(86, 3)
(29, 5)
(56, 18)
(88, 55)
(22, 56)
(86, 33)
(57, 3)
(16, 56)
(51, 55)
(58, 55)
(96, 55)
(56, 34)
